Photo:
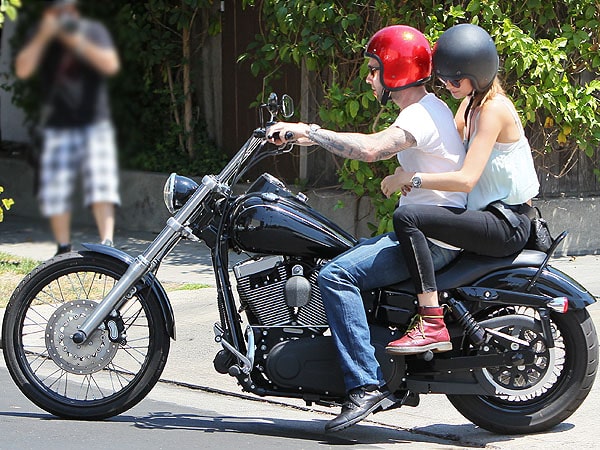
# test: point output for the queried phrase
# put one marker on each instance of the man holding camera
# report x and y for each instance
(74, 56)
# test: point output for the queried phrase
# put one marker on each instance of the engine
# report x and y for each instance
(283, 304)
(275, 292)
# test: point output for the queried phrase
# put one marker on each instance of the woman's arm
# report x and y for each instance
(363, 147)
(492, 119)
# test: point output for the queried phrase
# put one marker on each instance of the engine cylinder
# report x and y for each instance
(264, 288)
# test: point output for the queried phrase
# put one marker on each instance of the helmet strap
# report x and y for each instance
(385, 96)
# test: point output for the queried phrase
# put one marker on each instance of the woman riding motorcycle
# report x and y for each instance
(498, 174)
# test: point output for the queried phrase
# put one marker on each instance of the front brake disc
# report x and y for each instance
(82, 359)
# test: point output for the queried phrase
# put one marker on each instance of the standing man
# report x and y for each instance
(74, 56)
(423, 136)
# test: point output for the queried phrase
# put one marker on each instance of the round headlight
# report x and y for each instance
(177, 191)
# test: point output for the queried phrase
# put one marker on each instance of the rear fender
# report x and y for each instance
(552, 283)
(149, 280)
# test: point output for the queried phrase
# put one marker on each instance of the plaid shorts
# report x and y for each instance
(88, 151)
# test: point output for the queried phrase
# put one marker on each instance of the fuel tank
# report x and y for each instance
(281, 224)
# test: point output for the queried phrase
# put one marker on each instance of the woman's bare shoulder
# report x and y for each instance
(498, 106)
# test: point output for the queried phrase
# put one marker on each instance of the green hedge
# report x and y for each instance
(549, 51)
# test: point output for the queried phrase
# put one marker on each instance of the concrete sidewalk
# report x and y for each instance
(189, 261)
(190, 360)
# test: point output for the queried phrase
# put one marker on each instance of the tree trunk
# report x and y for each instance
(175, 109)
(187, 92)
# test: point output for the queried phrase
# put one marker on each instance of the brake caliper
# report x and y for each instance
(116, 328)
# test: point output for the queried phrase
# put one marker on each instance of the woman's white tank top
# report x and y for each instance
(509, 174)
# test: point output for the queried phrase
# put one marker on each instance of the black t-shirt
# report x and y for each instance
(75, 92)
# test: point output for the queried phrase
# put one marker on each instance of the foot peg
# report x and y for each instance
(399, 399)
(388, 403)
(425, 356)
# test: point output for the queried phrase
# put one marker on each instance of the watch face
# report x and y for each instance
(416, 181)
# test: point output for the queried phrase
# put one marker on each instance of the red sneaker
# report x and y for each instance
(427, 332)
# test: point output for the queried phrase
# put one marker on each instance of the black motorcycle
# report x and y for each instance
(86, 335)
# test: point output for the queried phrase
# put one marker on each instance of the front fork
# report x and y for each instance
(177, 228)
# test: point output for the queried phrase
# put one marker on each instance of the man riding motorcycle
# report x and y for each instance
(424, 139)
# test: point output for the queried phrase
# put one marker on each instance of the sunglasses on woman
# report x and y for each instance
(453, 81)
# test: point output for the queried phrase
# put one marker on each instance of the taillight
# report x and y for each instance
(559, 304)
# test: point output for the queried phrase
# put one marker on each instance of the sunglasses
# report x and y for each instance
(453, 81)
(373, 70)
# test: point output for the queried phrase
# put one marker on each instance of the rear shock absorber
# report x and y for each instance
(463, 316)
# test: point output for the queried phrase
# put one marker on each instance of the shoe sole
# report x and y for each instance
(384, 403)
(438, 347)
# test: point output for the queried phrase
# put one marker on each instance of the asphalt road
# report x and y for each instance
(207, 411)
(214, 416)
(173, 417)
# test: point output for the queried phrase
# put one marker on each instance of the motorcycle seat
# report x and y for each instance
(469, 267)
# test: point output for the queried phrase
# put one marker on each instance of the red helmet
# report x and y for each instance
(404, 56)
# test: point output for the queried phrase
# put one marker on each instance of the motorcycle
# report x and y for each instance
(87, 334)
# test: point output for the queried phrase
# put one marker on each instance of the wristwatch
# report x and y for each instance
(416, 181)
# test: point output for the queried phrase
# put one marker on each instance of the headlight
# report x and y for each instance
(177, 191)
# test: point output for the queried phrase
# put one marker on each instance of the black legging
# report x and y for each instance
(481, 232)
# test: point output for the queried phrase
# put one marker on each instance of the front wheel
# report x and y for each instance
(536, 397)
(108, 374)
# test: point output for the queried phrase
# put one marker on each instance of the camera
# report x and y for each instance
(68, 22)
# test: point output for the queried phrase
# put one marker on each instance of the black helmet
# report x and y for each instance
(466, 51)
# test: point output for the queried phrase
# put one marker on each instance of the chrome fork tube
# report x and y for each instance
(144, 263)
(176, 228)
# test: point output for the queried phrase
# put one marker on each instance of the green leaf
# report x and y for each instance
(327, 43)
(353, 108)
(364, 100)
(11, 12)
(339, 205)
(311, 63)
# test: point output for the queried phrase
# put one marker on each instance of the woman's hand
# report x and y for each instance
(283, 133)
(398, 181)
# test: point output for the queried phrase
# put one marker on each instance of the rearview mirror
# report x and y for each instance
(274, 106)
(287, 106)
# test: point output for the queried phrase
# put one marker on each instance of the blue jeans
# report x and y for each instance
(374, 263)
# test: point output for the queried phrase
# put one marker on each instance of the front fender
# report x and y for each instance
(552, 282)
(149, 280)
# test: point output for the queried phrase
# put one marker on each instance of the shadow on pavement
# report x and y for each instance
(301, 430)
(276, 427)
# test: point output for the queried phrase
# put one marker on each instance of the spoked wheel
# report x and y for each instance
(108, 374)
(539, 395)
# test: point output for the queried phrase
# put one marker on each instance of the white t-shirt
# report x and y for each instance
(439, 149)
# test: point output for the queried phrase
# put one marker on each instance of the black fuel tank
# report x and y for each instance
(283, 225)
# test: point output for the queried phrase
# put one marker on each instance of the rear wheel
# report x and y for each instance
(115, 368)
(537, 396)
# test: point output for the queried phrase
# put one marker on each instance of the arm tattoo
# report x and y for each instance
(364, 147)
